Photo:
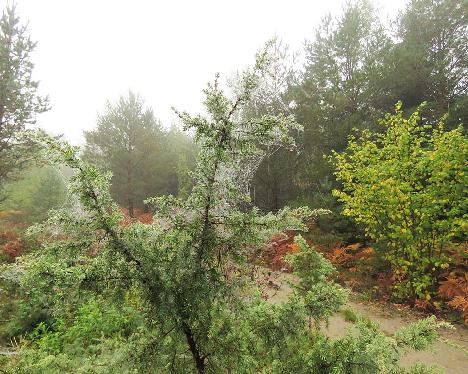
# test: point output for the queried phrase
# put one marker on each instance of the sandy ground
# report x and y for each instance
(450, 352)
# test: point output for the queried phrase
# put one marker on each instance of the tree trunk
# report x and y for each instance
(131, 209)
(199, 360)
(130, 205)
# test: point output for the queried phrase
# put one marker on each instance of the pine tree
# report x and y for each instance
(430, 61)
(341, 88)
(19, 101)
(129, 142)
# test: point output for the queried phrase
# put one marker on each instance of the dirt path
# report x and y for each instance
(450, 352)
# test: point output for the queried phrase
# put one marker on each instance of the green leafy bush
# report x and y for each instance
(407, 188)
(98, 332)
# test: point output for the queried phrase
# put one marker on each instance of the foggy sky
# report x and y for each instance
(92, 50)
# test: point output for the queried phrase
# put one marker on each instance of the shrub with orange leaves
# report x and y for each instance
(276, 250)
(455, 291)
(423, 304)
(340, 256)
(349, 256)
(359, 268)
(460, 303)
(455, 285)
(11, 242)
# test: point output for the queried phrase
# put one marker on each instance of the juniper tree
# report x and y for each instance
(19, 101)
(201, 314)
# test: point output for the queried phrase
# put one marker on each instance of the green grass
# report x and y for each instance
(350, 315)
(355, 317)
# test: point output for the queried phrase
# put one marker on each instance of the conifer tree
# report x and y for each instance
(19, 100)
(430, 61)
(129, 141)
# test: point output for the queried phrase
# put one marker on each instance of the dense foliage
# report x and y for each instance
(407, 187)
(174, 296)
(356, 68)
(147, 264)
(39, 189)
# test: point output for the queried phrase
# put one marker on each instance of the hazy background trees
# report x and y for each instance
(37, 190)
(429, 61)
(131, 143)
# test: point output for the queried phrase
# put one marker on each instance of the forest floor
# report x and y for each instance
(450, 352)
